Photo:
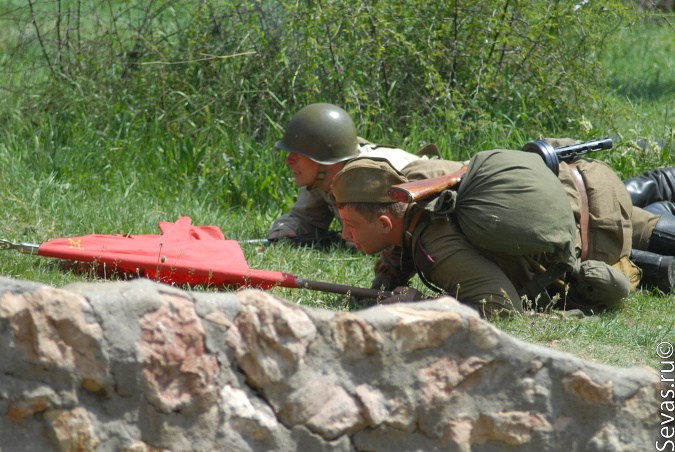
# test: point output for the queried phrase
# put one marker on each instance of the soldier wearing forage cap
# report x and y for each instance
(443, 255)
(320, 139)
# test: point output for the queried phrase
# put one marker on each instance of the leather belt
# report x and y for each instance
(584, 219)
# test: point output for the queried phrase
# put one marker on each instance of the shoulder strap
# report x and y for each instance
(425, 264)
(583, 221)
(413, 221)
(416, 223)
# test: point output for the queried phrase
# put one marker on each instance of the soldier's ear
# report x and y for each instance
(386, 223)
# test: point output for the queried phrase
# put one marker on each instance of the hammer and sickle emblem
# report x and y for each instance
(75, 243)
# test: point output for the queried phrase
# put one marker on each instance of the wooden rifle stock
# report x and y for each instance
(425, 188)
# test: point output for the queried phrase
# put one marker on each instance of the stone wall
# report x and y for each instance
(139, 366)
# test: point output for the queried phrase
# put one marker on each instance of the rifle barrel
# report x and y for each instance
(574, 150)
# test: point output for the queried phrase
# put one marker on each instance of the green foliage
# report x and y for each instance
(192, 66)
(184, 86)
(640, 71)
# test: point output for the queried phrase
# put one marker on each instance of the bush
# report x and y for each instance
(247, 65)
(196, 91)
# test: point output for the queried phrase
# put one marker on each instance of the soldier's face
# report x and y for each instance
(370, 236)
(304, 170)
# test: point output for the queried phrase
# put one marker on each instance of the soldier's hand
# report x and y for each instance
(319, 240)
(404, 294)
(382, 282)
(281, 234)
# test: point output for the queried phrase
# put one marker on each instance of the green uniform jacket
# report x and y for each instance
(314, 209)
(494, 283)
(642, 221)
(444, 258)
(609, 205)
(615, 226)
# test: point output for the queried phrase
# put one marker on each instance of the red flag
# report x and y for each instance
(182, 254)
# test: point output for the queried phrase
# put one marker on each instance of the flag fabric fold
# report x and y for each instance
(181, 254)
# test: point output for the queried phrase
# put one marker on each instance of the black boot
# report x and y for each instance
(662, 240)
(661, 207)
(652, 186)
(657, 270)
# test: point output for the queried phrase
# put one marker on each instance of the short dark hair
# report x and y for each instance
(371, 210)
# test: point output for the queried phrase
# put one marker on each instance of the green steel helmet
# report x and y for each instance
(322, 132)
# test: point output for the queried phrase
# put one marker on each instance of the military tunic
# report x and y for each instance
(652, 196)
(490, 282)
(446, 259)
(314, 209)
(614, 224)
(494, 283)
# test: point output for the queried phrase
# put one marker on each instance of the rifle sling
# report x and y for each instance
(410, 236)
(410, 228)
(584, 214)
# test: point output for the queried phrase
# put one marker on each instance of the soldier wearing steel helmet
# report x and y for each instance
(319, 139)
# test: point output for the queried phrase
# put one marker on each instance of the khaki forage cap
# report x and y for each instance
(366, 180)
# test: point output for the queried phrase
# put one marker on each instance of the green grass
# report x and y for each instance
(624, 337)
(90, 165)
(640, 72)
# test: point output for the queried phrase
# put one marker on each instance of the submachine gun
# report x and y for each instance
(426, 188)
(553, 156)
